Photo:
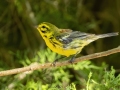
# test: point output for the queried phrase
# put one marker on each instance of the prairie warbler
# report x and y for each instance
(65, 41)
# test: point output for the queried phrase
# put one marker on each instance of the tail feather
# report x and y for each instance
(107, 35)
(95, 37)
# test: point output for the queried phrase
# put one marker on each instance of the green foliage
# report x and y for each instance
(108, 82)
(81, 76)
(21, 44)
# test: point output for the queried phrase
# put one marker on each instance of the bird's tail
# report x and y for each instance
(107, 35)
(102, 36)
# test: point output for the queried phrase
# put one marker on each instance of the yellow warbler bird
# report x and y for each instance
(65, 41)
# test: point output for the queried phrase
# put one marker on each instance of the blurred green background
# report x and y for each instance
(19, 38)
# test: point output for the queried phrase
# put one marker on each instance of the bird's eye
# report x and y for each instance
(43, 27)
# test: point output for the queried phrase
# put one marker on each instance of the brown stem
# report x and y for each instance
(57, 64)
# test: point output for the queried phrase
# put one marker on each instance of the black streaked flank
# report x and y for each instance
(51, 37)
(54, 43)
(45, 36)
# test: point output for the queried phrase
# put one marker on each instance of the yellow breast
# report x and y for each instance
(58, 48)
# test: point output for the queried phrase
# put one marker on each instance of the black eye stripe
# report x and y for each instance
(43, 31)
(45, 36)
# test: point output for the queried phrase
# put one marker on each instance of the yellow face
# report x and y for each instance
(44, 30)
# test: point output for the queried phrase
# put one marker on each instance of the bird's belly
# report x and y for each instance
(65, 52)
(60, 50)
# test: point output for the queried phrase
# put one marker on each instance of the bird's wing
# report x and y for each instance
(78, 34)
(65, 30)
(67, 36)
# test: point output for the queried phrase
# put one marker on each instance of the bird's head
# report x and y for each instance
(46, 28)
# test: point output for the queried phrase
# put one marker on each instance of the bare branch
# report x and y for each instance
(63, 63)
